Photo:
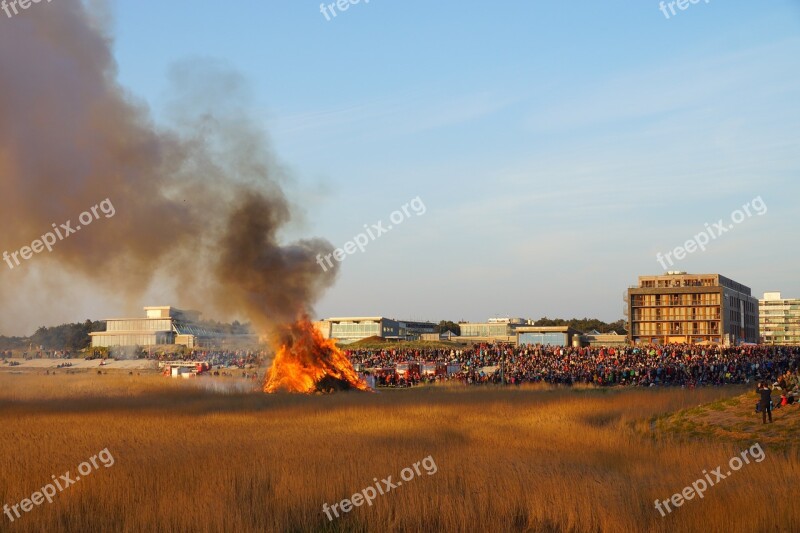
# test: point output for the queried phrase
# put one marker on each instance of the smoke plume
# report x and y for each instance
(199, 206)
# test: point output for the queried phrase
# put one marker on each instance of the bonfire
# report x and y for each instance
(307, 362)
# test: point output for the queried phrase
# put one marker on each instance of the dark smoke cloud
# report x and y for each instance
(199, 205)
(270, 281)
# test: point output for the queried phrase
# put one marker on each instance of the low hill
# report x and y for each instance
(734, 419)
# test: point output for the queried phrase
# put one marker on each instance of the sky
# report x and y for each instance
(557, 147)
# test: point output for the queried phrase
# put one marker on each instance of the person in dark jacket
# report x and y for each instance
(765, 402)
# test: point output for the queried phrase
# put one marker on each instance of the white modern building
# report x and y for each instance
(494, 328)
(779, 319)
(351, 329)
(161, 325)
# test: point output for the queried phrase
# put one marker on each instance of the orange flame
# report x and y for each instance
(306, 361)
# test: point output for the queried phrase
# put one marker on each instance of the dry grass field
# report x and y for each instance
(203, 455)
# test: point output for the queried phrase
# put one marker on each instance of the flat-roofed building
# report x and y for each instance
(351, 329)
(779, 319)
(415, 329)
(595, 338)
(548, 335)
(161, 325)
(494, 328)
(444, 336)
(691, 308)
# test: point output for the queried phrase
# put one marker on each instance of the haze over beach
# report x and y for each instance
(377, 266)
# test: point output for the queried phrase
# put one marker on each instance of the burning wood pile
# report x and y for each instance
(307, 363)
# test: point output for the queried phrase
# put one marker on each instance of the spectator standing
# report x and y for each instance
(765, 402)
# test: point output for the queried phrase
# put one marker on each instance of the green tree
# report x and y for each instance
(584, 324)
(448, 325)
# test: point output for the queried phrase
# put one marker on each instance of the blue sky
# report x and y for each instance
(556, 146)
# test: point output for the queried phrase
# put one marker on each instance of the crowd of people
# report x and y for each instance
(652, 365)
(38, 354)
(674, 364)
(216, 358)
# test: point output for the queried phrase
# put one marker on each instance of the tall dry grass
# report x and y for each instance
(525, 459)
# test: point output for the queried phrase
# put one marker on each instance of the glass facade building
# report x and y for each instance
(485, 329)
(779, 320)
(162, 325)
(357, 330)
(139, 324)
(500, 328)
(348, 329)
(549, 339)
(133, 339)
(547, 336)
